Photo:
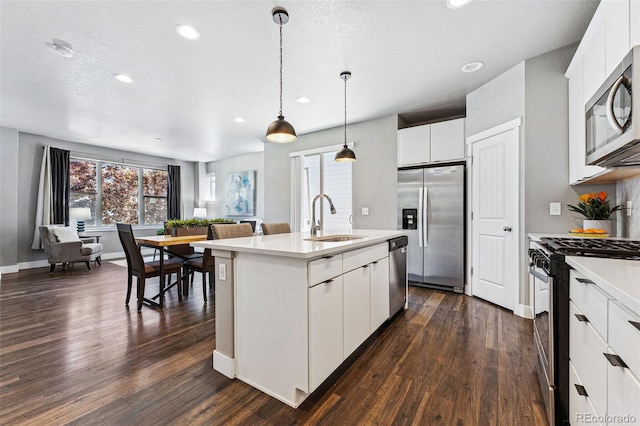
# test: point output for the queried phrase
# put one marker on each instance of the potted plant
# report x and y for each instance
(181, 227)
(596, 211)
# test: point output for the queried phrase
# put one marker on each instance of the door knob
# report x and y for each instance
(507, 228)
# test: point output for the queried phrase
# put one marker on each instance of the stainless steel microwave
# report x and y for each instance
(613, 117)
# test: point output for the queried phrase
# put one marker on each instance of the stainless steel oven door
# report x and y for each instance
(543, 335)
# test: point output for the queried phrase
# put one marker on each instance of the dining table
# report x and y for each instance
(164, 244)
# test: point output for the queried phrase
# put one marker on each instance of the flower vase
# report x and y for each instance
(606, 224)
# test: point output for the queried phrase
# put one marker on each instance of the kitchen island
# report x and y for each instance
(291, 308)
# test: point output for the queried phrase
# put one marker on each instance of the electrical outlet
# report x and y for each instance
(554, 209)
(629, 207)
(365, 211)
(222, 272)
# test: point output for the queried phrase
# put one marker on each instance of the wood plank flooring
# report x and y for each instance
(72, 353)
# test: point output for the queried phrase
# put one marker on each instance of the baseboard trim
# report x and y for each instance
(524, 311)
(224, 364)
(10, 269)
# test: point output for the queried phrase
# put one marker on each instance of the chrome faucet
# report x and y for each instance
(315, 228)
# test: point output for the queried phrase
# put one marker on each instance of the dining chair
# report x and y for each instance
(276, 228)
(221, 232)
(204, 265)
(136, 266)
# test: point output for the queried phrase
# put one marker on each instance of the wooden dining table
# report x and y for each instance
(164, 243)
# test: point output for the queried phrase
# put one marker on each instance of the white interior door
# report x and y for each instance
(495, 218)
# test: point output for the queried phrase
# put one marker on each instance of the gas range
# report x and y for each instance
(596, 247)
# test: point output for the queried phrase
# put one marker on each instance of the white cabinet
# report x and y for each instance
(356, 311)
(379, 271)
(325, 330)
(634, 23)
(443, 141)
(604, 352)
(414, 145)
(578, 170)
(581, 411)
(447, 140)
(594, 56)
(616, 33)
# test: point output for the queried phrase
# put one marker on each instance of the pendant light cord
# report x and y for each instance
(280, 17)
(345, 111)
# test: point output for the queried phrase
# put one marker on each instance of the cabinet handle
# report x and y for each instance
(615, 360)
(327, 281)
(327, 257)
(365, 266)
(636, 324)
(584, 281)
(375, 262)
(582, 318)
(581, 390)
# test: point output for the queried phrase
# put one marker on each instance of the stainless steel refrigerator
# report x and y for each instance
(431, 209)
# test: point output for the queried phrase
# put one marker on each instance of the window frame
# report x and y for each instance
(99, 193)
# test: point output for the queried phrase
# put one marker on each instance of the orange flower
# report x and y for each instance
(585, 198)
(602, 196)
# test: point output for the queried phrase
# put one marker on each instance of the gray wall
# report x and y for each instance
(21, 189)
(241, 163)
(374, 172)
(629, 190)
(537, 91)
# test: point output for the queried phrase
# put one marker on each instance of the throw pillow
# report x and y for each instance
(65, 234)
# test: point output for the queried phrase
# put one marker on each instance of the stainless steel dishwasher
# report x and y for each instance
(397, 274)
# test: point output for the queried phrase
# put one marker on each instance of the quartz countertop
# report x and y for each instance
(620, 278)
(295, 244)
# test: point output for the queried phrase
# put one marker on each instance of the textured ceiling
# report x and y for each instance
(405, 57)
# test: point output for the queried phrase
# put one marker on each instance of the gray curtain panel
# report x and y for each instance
(60, 182)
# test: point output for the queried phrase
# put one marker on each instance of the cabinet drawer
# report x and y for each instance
(623, 396)
(580, 408)
(356, 258)
(324, 268)
(586, 349)
(591, 301)
(624, 335)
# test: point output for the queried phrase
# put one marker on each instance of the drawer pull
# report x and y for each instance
(584, 281)
(582, 318)
(375, 262)
(581, 390)
(327, 281)
(615, 360)
(328, 257)
(636, 324)
(365, 266)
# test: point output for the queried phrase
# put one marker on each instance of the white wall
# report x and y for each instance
(241, 163)
(374, 172)
(9, 195)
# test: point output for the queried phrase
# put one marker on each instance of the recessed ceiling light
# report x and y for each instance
(158, 139)
(303, 100)
(123, 78)
(188, 32)
(457, 4)
(61, 47)
(239, 120)
(472, 66)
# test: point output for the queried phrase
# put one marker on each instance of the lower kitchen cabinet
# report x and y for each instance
(604, 352)
(356, 293)
(325, 330)
(379, 271)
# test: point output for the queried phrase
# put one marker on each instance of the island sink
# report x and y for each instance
(334, 238)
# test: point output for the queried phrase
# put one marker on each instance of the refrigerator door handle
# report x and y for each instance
(425, 217)
(420, 218)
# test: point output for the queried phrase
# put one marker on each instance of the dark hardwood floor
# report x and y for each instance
(72, 353)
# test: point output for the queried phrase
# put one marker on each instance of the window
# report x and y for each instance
(316, 172)
(212, 185)
(119, 192)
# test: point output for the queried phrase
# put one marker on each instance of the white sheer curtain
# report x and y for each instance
(44, 206)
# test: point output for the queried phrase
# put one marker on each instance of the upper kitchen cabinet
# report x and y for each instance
(634, 23)
(429, 143)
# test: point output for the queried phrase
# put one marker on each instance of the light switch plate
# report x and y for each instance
(554, 209)
(629, 207)
(222, 272)
(365, 211)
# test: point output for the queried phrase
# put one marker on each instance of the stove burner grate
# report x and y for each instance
(600, 247)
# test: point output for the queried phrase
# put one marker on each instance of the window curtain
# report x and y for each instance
(173, 193)
(53, 191)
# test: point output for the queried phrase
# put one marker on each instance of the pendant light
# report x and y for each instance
(345, 155)
(280, 130)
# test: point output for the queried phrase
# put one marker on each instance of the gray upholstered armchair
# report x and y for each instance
(62, 245)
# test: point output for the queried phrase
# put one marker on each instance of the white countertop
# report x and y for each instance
(295, 245)
(620, 278)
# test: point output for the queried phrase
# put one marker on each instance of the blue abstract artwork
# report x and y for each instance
(241, 193)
